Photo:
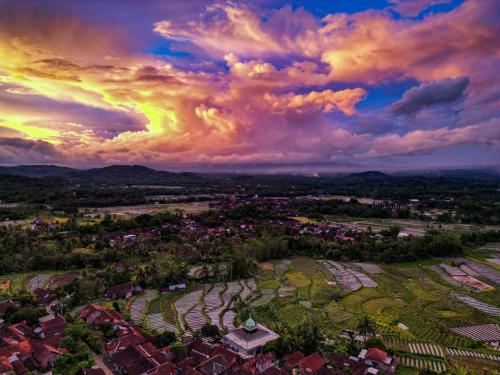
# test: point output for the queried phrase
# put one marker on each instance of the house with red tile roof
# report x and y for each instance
(378, 359)
(5, 366)
(258, 364)
(130, 351)
(292, 360)
(98, 315)
(311, 364)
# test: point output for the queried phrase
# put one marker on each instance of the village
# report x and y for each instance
(251, 286)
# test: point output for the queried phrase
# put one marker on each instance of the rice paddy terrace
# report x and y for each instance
(417, 311)
(429, 312)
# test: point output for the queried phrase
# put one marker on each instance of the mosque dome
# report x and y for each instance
(250, 324)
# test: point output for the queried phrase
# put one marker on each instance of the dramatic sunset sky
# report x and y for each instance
(179, 84)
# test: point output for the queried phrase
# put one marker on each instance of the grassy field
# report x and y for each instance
(17, 282)
(403, 370)
(130, 211)
(304, 220)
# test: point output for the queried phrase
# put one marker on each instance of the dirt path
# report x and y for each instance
(102, 364)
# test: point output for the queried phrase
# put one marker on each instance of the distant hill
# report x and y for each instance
(369, 174)
(111, 175)
(140, 175)
(473, 173)
(133, 175)
(37, 170)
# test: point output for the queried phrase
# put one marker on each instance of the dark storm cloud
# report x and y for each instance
(429, 94)
(18, 151)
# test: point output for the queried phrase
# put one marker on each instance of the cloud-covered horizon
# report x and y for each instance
(225, 83)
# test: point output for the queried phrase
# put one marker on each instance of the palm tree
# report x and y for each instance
(366, 327)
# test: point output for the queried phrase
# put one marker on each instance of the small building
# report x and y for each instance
(43, 296)
(377, 359)
(311, 364)
(173, 287)
(249, 339)
(120, 291)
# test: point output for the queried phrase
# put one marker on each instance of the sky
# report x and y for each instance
(269, 85)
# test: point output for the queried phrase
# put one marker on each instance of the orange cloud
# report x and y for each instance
(289, 92)
(327, 101)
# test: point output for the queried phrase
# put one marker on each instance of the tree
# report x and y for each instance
(179, 349)
(210, 330)
(164, 339)
(366, 327)
(375, 342)
(30, 314)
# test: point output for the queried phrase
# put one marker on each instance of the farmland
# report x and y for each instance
(129, 211)
(289, 292)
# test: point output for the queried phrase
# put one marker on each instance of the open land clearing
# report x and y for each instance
(412, 227)
(128, 211)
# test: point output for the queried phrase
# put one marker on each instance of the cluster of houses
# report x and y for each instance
(130, 351)
(207, 359)
(26, 348)
(34, 348)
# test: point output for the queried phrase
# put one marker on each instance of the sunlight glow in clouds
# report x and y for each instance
(241, 84)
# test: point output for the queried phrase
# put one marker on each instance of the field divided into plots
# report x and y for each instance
(38, 281)
(350, 279)
(139, 305)
(185, 304)
(148, 306)
(212, 304)
(294, 290)
(484, 271)
(478, 305)
(418, 298)
(483, 332)
(468, 353)
(423, 364)
(336, 313)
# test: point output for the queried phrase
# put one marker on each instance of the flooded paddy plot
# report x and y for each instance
(482, 332)
(462, 275)
(484, 271)
(266, 297)
(212, 298)
(140, 304)
(426, 349)
(424, 363)
(249, 287)
(186, 303)
(38, 281)
(233, 288)
(478, 305)
(228, 319)
(62, 280)
(195, 318)
(348, 278)
(467, 353)
(282, 266)
(369, 267)
(158, 323)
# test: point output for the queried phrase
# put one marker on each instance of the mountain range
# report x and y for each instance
(136, 174)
